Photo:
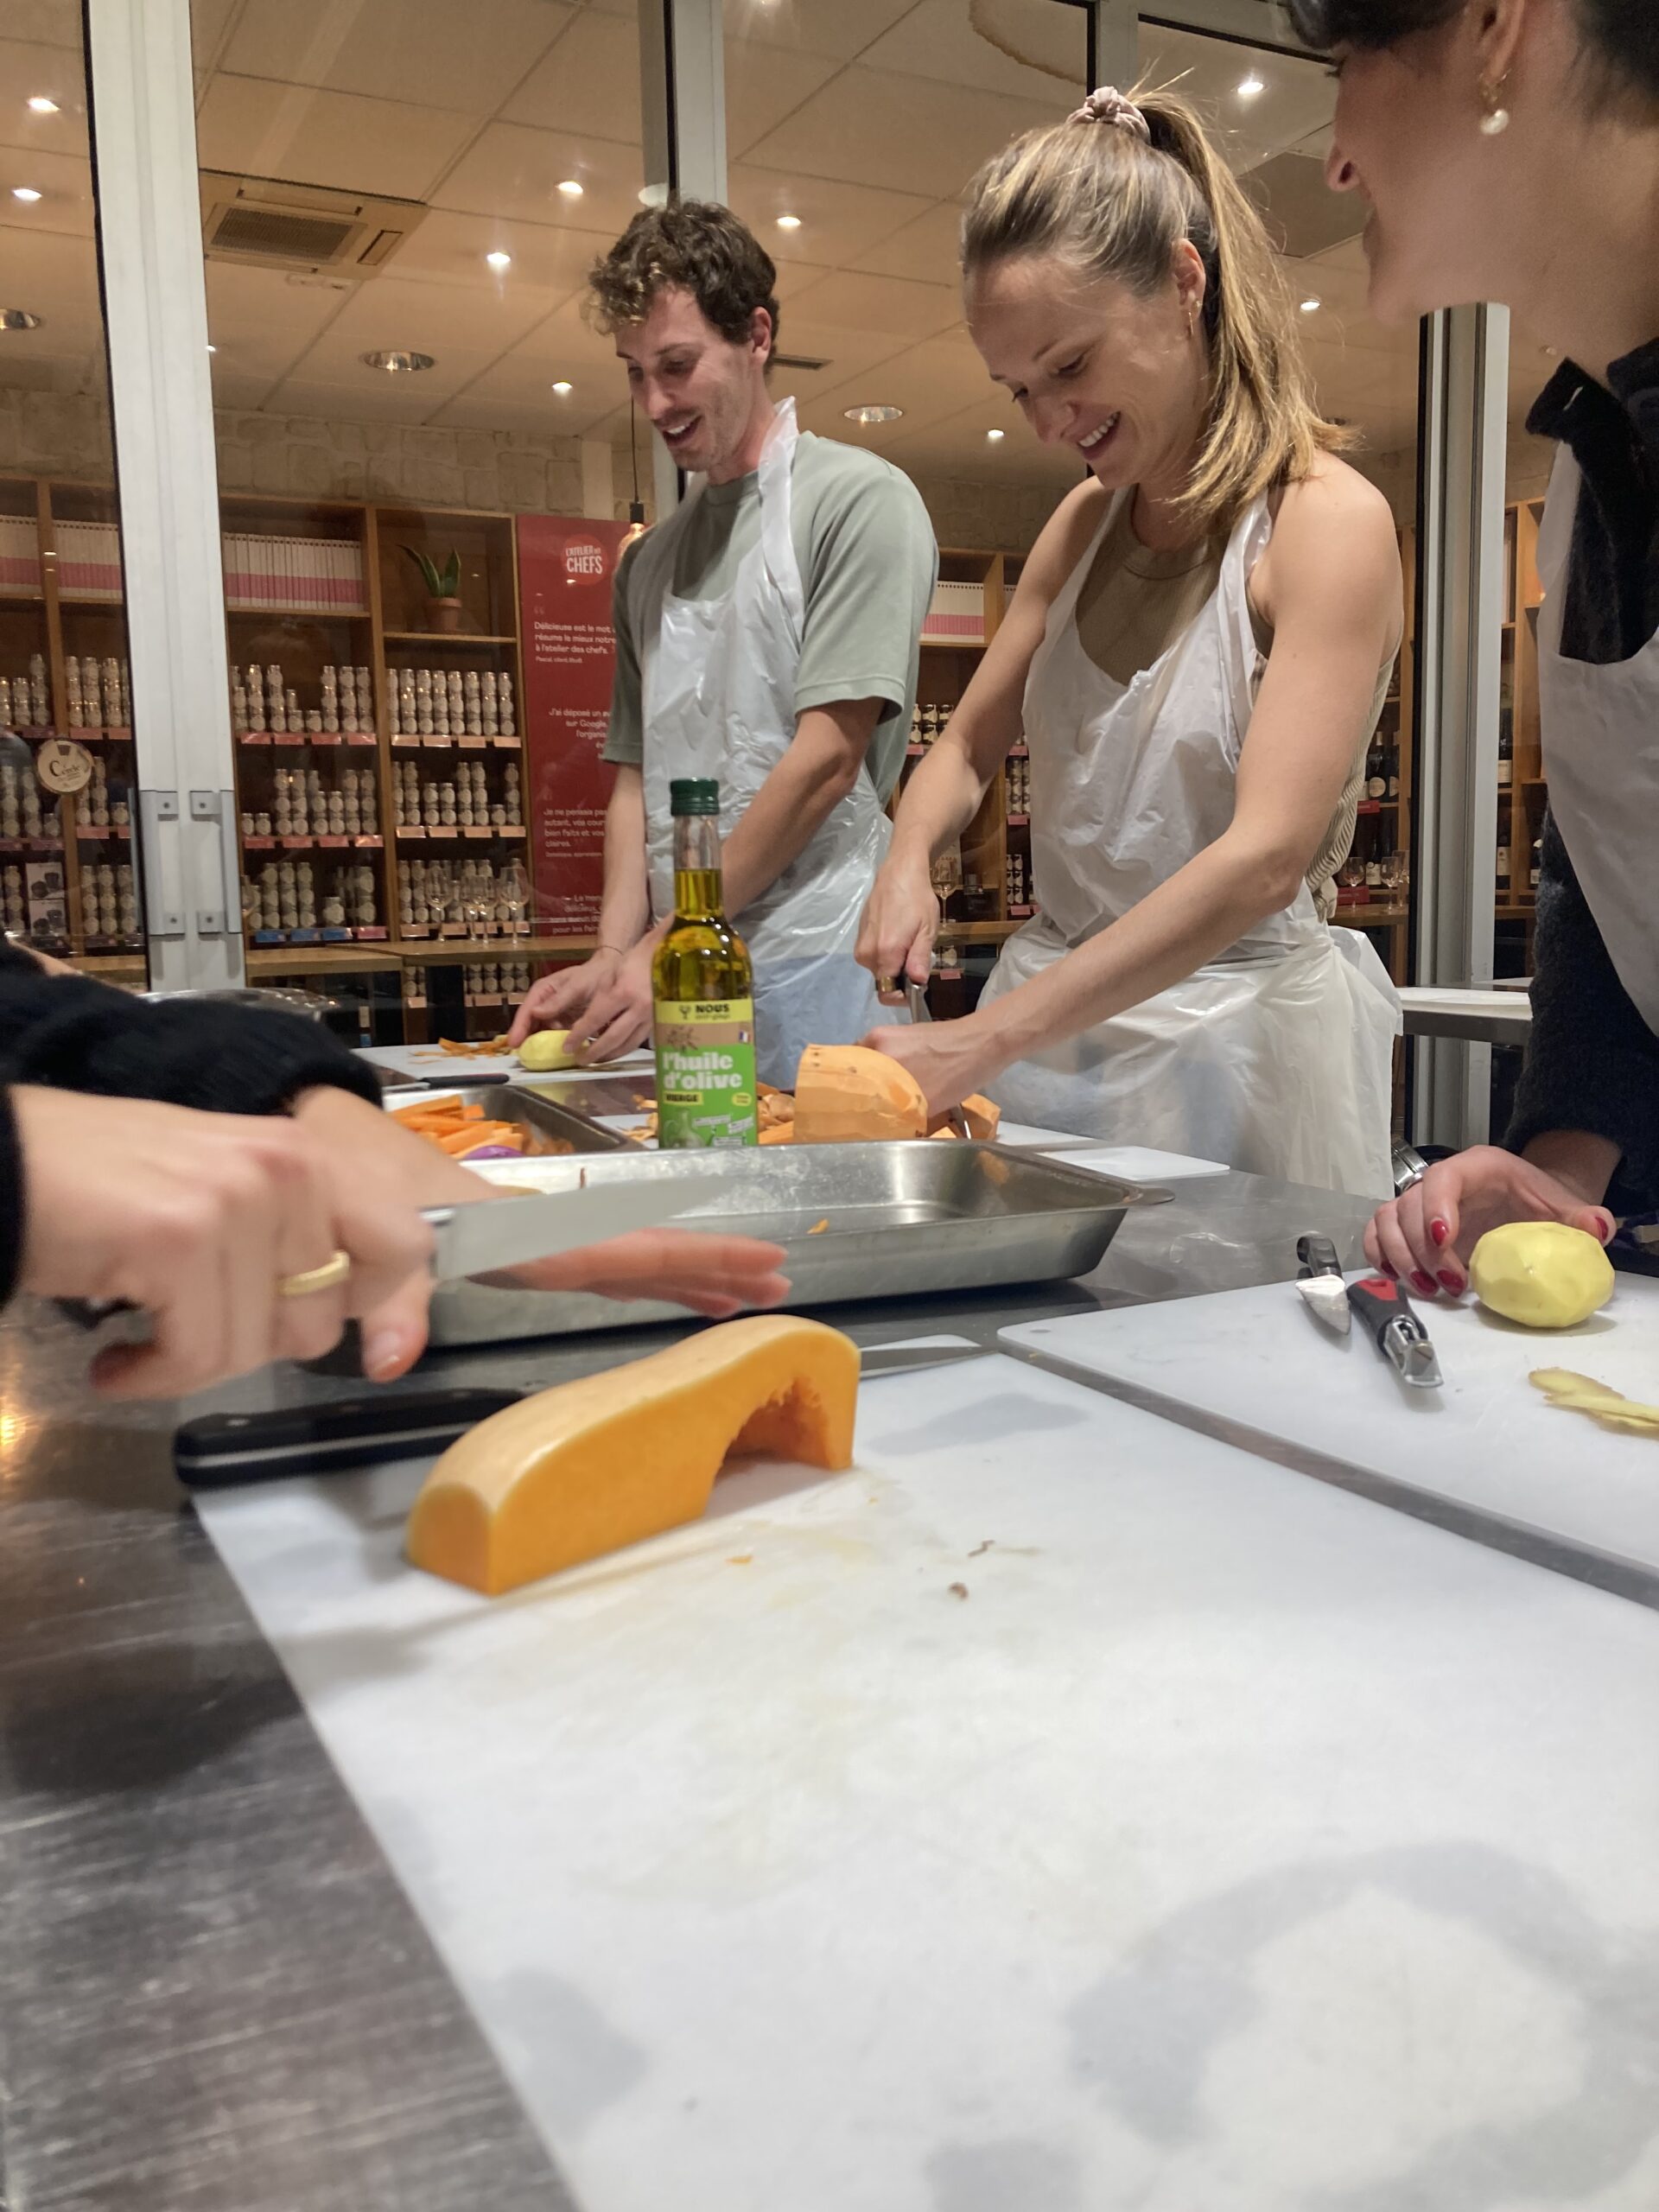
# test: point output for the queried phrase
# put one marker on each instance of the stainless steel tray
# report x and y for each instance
(556, 1128)
(901, 1218)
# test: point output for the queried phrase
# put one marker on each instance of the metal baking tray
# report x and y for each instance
(556, 1129)
(899, 1220)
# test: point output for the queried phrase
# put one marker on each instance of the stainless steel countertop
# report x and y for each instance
(214, 1995)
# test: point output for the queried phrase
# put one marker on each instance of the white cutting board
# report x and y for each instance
(1487, 1440)
(419, 1062)
(1129, 1163)
(1233, 1845)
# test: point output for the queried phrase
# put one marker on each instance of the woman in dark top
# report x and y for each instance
(187, 1157)
(1510, 151)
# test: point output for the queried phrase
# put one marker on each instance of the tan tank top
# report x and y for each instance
(1134, 605)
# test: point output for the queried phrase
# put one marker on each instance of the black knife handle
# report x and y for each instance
(1378, 1304)
(222, 1449)
(1317, 1255)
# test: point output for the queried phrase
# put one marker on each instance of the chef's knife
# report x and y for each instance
(483, 1236)
(1386, 1315)
(1324, 1291)
(225, 1451)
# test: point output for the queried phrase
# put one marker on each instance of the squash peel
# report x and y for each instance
(592, 1465)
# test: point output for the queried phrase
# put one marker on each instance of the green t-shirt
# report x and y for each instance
(865, 548)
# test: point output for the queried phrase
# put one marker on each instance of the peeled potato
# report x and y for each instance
(546, 1050)
(1542, 1273)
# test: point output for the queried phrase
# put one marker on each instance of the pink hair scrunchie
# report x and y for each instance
(1108, 104)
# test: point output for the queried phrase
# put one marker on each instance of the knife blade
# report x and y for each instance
(1386, 1315)
(1323, 1289)
(478, 1238)
(484, 1236)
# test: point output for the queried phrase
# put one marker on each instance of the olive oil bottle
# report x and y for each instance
(702, 992)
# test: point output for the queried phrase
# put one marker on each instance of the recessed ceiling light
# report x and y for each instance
(873, 414)
(570, 186)
(996, 436)
(1252, 87)
(789, 222)
(24, 191)
(1312, 306)
(499, 260)
(40, 104)
(564, 389)
(652, 195)
(211, 348)
(18, 319)
(397, 361)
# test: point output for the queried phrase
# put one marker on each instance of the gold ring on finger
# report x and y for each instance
(328, 1276)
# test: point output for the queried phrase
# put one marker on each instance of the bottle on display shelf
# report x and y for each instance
(1504, 866)
(702, 992)
(1538, 865)
(1376, 780)
(1392, 770)
(1505, 748)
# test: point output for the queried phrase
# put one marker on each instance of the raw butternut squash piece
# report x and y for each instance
(984, 1119)
(847, 1093)
(591, 1466)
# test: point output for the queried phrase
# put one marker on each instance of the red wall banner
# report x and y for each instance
(566, 566)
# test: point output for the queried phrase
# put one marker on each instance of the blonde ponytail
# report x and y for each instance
(1115, 206)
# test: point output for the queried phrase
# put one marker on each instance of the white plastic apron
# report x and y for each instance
(1601, 757)
(1278, 1057)
(718, 695)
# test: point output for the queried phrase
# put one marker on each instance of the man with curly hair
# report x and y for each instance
(768, 634)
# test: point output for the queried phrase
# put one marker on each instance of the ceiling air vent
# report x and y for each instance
(301, 228)
(803, 362)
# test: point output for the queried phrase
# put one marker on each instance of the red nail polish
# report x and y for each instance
(1451, 1282)
(1440, 1231)
(1392, 1273)
(1422, 1284)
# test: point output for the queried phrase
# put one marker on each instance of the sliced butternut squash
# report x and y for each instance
(591, 1466)
(846, 1094)
(984, 1119)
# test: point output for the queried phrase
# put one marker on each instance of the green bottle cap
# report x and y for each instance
(694, 794)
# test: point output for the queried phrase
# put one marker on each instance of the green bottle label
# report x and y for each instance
(705, 1072)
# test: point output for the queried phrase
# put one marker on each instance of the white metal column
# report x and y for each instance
(1114, 44)
(683, 110)
(1460, 645)
(156, 307)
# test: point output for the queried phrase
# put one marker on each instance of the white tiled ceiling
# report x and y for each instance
(862, 118)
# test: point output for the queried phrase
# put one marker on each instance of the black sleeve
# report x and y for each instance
(1593, 1063)
(222, 1058)
(11, 1199)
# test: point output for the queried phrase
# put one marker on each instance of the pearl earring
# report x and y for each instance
(1496, 120)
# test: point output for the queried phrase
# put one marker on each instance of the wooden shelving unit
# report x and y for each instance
(1522, 799)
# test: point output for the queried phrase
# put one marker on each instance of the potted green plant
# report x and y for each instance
(442, 590)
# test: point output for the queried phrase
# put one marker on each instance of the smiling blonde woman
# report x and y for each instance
(1196, 655)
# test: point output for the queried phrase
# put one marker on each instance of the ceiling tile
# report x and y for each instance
(840, 221)
(64, 182)
(562, 346)
(45, 23)
(903, 133)
(449, 249)
(849, 301)
(811, 27)
(589, 82)
(209, 22)
(844, 353)
(56, 72)
(245, 127)
(238, 388)
(1298, 98)
(929, 247)
(262, 320)
(1030, 49)
(389, 313)
(763, 85)
(930, 382)
(511, 171)
(429, 52)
